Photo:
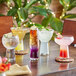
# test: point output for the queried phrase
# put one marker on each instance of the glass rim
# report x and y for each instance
(19, 28)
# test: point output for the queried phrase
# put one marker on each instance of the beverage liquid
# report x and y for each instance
(33, 45)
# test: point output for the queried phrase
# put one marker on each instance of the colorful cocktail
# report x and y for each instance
(64, 43)
(33, 45)
(21, 33)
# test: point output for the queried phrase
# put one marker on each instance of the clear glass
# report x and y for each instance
(33, 45)
(10, 42)
(45, 36)
(64, 43)
(21, 33)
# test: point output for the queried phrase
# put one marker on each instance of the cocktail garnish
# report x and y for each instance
(59, 36)
(9, 35)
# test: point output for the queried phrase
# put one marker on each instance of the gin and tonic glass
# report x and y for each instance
(10, 42)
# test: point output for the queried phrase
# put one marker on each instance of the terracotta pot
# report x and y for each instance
(56, 7)
(3, 8)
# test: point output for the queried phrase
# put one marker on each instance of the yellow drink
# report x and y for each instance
(21, 33)
(19, 59)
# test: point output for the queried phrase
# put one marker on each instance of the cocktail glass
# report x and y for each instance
(64, 43)
(10, 42)
(21, 33)
(45, 36)
(33, 45)
(20, 47)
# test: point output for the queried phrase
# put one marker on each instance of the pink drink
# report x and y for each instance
(63, 66)
(64, 42)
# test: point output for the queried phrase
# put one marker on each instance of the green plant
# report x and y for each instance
(23, 12)
(2, 1)
(68, 5)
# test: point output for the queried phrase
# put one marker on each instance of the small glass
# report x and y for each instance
(10, 42)
(33, 45)
(64, 43)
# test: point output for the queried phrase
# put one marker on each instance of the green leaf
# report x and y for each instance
(2, 1)
(69, 16)
(19, 23)
(42, 2)
(72, 5)
(15, 2)
(39, 26)
(49, 1)
(12, 12)
(31, 3)
(62, 2)
(23, 13)
(65, 3)
(56, 24)
(72, 1)
(40, 10)
(18, 3)
(25, 2)
(46, 20)
(19, 15)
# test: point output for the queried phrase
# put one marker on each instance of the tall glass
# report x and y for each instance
(10, 42)
(33, 45)
(64, 43)
(21, 33)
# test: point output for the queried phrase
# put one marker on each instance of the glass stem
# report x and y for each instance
(10, 54)
(20, 46)
(64, 51)
(44, 49)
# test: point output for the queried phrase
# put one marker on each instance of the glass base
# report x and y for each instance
(44, 49)
(11, 59)
(10, 54)
(64, 60)
(34, 59)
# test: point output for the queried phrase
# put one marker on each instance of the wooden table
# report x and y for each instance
(46, 66)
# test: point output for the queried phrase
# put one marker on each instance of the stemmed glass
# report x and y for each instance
(21, 33)
(64, 43)
(10, 42)
(45, 36)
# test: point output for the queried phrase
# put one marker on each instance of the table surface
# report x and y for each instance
(46, 64)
